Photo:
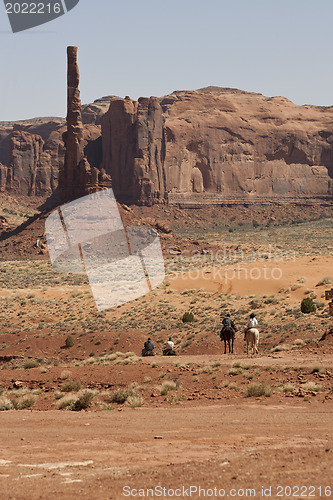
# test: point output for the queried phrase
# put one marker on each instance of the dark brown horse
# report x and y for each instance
(228, 335)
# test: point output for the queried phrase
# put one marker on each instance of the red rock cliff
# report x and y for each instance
(215, 144)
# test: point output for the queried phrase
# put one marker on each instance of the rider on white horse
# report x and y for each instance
(252, 323)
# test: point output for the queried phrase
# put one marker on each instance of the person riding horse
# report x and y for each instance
(252, 323)
(227, 333)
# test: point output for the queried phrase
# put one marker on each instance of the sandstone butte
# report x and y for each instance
(189, 147)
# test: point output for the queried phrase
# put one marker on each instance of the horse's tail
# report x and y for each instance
(256, 339)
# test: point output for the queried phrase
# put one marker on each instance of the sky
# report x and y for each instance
(153, 47)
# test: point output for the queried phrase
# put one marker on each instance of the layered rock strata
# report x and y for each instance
(216, 144)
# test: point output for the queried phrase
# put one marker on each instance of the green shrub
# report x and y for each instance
(308, 306)
(69, 342)
(188, 317)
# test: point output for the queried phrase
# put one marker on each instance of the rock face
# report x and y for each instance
(77, 178)
(21, 174)
(133, 148)
(91, 113)
(216, 144)
(189, 147)
(3, 178)
(31, 153)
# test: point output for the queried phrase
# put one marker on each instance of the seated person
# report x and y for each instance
(148, 349)
(169, 348)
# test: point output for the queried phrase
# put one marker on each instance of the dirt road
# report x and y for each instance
(112, 455)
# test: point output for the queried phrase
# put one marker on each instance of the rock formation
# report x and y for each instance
(32, 152)
(3, 178)
(77, 178)
(30, 160)
(73, 137)
(212, 145)
(43, 175)
(216, 144)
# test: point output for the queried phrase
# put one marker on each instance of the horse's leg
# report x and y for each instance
(225, 346)
(232, 344)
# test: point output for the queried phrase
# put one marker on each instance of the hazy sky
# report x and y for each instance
(152, 47)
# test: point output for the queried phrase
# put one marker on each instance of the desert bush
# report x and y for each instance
(5, 404)
(69, 342)
(288, 388)
(257, 389)
(235, 371)
(308, 306)
(134, 401)
(65, 374)
(83, 401)
(67, 401)
(207, 369)
(188, 317)
(30, 363)
(120, 396)
(167, 386)
(327, 280)
(127, 360)
(311, 386)
(316, 369)
(279, 348)
(256, 303)
(71, 386)
(26, 402)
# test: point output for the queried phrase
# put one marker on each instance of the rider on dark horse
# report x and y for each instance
(228, 332)
(228, 323)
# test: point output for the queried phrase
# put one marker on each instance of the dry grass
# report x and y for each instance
(5, 403)
(168, 385)
(257, 389)
(311, 386)
(134, 401)
(71, 386)
(65, 374)
(327, 280)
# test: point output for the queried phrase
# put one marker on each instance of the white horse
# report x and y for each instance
(252, 339)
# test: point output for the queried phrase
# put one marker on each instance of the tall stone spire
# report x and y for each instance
(77, 178)
(73, 138)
